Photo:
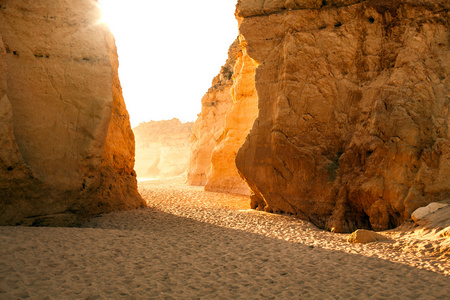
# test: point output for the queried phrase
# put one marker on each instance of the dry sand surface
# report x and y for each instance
(192, 244)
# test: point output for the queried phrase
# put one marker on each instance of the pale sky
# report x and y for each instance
(169, 52)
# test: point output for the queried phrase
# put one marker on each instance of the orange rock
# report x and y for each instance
(222, 176)
(353, 123)
(228, 111)
(68, 146)
(210, 124)
(365, 236)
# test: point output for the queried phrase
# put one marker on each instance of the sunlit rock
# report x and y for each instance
(210, 124)
(362, 236)
(222, 175)
(421, 212)
(353, 122)
(162, 148)
(228, 111)
(67, 149)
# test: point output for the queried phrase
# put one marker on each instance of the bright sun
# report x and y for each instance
(107, 9)
(169, 54)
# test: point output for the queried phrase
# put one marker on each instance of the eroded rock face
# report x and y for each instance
(228, 111)
(210, 124)
(353, 125)
(223, 175)
(67, 149)
(162, 148)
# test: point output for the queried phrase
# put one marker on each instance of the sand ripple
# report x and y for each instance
(197, 245)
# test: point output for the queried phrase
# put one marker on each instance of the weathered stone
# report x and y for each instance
(422, 212)
(353, 124)
(365, 236)
(210, 124)
(67, 146)
(162, 148)
(223, 176)
(252, 8)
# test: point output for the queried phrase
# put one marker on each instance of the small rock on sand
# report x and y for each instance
(365, 236)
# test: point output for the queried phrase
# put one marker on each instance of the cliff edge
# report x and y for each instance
(353, 96)
(67, 149)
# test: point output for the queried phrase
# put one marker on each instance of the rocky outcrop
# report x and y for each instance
(228, 111)
(353, 123)
(67, 149)
(210, 124)
(222, 175)
(422, 212)
(162, 148)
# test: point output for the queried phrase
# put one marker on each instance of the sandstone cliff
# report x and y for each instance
(209, 126)
(353, 124)
(162, 148)
(67, 149)
(228, 111)
(222, 175)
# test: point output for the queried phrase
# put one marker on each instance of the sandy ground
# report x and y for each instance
(191, 244)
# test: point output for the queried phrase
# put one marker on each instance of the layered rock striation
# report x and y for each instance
(67, 149)
(353, 122)
(162, 148)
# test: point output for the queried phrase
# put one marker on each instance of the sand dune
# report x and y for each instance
(199, 245)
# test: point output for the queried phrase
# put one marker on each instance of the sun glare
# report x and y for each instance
(107, 13)
(167, 61)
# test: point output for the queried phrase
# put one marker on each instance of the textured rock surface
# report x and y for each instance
(210, 124)
(67, 149)
(422, 212)
(223, 175)
(162, 148)
(438, 220)
(353, 124)
(362, 236)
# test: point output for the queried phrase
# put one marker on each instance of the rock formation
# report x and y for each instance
(162, 148)
(228, 111)
(422, 212)
(363, 236)
(222, 174)
(210, 124)
(353, 96)
(67, 149)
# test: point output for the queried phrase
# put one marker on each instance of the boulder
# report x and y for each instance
(353, 97)
(365, 236)
(422, 212)
(67, 149)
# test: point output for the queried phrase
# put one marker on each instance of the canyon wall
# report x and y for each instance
(67, 149)
(222, 174)
(228, 111)
(162, 148)
(353, 96)
(209, 126)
